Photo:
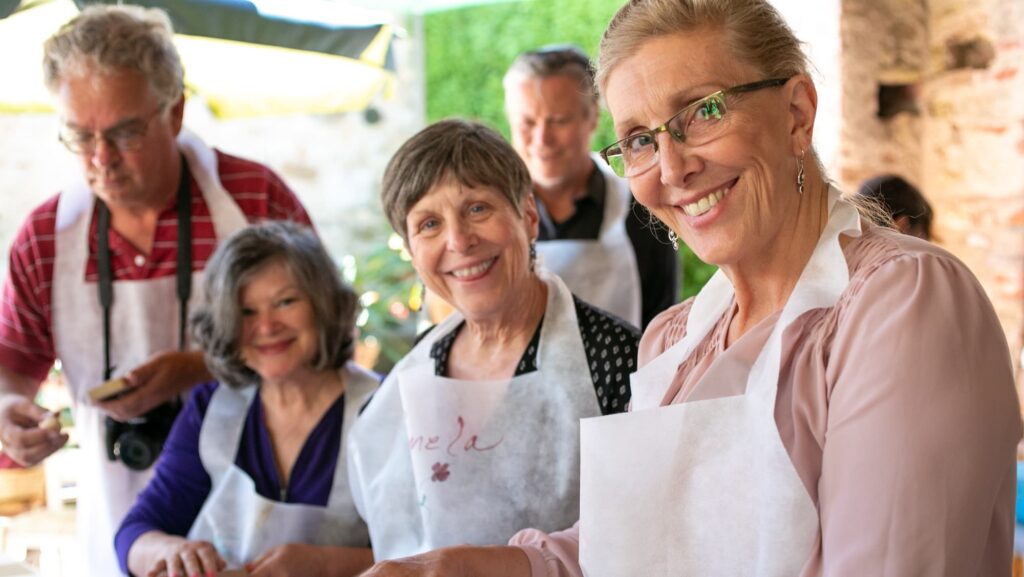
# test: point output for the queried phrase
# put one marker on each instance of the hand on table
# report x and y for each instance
(188, 558)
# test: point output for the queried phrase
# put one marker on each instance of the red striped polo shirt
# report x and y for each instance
(26, 342)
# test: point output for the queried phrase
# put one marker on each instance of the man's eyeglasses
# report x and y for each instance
(697, 123)
(125, 137)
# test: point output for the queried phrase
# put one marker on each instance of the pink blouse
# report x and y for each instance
(897, 407)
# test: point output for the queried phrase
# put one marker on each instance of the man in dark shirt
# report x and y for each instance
(592, 232)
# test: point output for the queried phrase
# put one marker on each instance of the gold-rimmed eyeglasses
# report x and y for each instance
(126, 136)
(698, 123)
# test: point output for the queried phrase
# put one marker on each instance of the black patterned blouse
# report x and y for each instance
(609, 342)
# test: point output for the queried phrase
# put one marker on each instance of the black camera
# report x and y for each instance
(138, 442)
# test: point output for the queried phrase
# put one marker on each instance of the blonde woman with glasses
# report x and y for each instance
(838, 400)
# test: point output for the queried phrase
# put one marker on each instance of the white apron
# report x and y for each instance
(242, 524)
(143, 320)
(706, 488)
(602, 272)
(439, 461)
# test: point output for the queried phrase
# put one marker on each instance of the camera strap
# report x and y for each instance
(183, 270)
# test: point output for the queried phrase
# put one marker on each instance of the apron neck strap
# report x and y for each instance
(183, 269)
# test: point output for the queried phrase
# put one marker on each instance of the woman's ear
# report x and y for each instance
(532, 216)
(803, 105)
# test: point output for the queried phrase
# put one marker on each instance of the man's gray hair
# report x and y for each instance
(555, 60)
(217, 324)
(110, 39)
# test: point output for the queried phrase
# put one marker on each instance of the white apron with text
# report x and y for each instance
(602, 272)
(239, 522)
(144, 320)
(706, 488)
(439, 461)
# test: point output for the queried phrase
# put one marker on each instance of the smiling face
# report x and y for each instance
(113, 103)
(280, 335)
(551, 126)
(471, 248)
(728, 199)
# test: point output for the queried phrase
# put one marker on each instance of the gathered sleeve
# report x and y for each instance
(918, 473)
(551, 554)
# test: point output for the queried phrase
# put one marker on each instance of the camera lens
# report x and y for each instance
(136, 451)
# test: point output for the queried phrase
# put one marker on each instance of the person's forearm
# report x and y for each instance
(17, 384)
(554, 554)
(463, 561)
(347, 561)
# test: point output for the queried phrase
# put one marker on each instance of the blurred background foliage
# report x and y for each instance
(468, 51)
(390, 297)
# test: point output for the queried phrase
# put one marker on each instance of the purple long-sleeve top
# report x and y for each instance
(173, 498)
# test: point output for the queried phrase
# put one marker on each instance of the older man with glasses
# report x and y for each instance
(100, 275)
(607, 248)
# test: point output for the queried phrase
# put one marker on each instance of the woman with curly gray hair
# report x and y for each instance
(252, 474)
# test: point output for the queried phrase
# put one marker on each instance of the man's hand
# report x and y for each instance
(23, 439)
(164, 376)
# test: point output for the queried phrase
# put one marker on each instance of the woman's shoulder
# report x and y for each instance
(610, 345)
(357, 371)
(878, 244)
(201, 396)
(900, 283)
(592, 319)
(903, 263)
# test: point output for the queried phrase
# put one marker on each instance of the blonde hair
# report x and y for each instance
(113, 39)
(754, 32)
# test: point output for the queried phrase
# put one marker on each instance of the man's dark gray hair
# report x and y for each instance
(217, 324)
(555, 60)
(462, 151)
(109, 39)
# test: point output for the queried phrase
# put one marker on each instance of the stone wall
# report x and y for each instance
(973, 157)
(956, 130)
(884, 42)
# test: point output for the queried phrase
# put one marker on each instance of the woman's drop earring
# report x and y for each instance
(674, 239)
(800, 173)
(533, 256)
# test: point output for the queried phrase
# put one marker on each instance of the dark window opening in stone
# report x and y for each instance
(975, 53)
(896, 98)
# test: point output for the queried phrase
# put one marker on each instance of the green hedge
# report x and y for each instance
(468, 51)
